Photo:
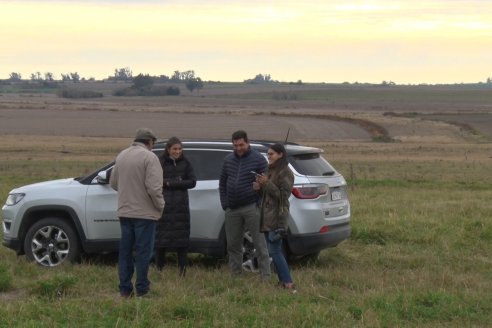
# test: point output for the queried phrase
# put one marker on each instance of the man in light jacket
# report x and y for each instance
(137, 177)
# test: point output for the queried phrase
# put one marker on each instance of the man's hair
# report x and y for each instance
(240, 134)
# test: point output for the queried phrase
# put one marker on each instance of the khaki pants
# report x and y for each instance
(237, 221)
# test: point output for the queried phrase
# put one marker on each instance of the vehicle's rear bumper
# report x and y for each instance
(311, 243)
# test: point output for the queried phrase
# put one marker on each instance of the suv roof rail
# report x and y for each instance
(262, 142)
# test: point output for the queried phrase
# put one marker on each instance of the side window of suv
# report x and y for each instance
(207, 163)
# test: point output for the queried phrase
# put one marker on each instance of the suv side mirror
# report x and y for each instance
(102, 177)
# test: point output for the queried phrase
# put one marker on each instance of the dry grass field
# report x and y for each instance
(417, 160)
(319, 112)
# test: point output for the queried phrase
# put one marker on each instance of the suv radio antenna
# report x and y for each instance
(287, 136)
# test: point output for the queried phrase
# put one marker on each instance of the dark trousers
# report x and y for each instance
(160, 258)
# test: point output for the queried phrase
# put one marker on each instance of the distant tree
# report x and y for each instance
(187, 75)
(183, 76)
(122, 74)
(75, 77)
(260, 78)
(489, 80)
(15, 77)
(142, 82)
(48, 77)
(176, 76)
(163, 78)
(65, 77)
(36, 76)
(194, 83)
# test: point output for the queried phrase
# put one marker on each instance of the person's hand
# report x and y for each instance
(261, 179)
(256, 186)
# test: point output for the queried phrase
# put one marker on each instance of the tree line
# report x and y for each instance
(140, 82)
(124, 74)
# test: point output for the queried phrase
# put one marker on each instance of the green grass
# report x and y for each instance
(419, 256)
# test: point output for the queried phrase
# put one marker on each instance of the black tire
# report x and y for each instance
(250, 259)
(51, 242)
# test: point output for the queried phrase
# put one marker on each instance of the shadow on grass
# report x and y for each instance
(111, 259)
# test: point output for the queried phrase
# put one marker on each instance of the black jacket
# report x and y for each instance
(173, 229)
(236, 179)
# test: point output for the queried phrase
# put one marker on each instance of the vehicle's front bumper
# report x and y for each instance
(311, 243)
(14, 244)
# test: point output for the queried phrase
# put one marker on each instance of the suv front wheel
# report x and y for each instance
(50, 242)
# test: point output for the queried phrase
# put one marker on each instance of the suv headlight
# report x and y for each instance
(13, 199)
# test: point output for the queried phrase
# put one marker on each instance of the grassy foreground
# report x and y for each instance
(420, 254)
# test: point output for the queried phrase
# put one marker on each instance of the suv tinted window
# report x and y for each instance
(207, 164)
(311, 164)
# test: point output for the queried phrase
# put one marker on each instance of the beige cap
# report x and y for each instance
(145, 134)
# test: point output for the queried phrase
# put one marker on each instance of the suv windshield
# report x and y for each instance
(311, 164)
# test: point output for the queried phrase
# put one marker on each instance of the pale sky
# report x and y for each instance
(434, 41)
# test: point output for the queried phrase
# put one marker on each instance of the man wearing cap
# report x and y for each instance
(137, 177)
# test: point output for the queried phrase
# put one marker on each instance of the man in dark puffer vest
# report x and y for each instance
(240, 203)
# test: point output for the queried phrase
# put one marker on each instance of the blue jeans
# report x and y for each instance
(138, 235)
(275, 251)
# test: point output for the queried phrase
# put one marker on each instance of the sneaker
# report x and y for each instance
(290, 287)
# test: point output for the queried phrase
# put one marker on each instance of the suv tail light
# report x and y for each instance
(309, 191)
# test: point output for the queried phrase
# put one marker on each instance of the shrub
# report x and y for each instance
(284, 96)
(173, 91)
(383, 138)
(152, 92)
(142, 82)
(127, 92)
(76, 94)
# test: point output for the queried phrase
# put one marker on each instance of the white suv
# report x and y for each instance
(55, 221)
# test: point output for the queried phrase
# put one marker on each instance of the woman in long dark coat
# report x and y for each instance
(173, 229)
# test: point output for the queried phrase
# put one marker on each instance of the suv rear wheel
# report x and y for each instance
(50, 242)
(250, 258)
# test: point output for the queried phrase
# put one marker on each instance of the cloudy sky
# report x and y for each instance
(433, 41)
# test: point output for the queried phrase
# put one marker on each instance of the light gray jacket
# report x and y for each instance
(137, 177)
